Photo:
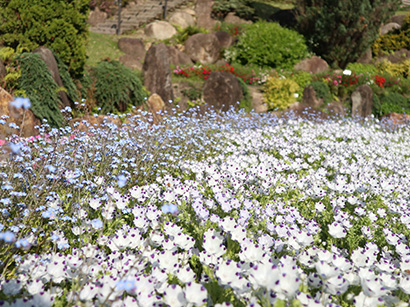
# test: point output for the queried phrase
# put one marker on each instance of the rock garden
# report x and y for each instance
(221, 156)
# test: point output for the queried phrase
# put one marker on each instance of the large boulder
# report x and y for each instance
(203, 11)
(313, 65)
(399, 19)
(389, 27)
(132, 46)
(16, 115)
(362, 101)
(182, 19)
(222, 90)
(203, 48)
(224, 38)
(366, 57)
(157, 74)
(160, 30)
(96, 17)
(310, 98)
(257, 99)
(177, 57)
(232, 18)
(336, 109)
(48, 58)
(131, 61)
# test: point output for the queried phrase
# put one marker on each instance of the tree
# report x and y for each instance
(60, 25)
(340, 31)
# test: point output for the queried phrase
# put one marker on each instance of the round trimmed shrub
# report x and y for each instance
(267, 44)
(279, 93)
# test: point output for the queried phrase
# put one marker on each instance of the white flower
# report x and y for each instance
(196, 294)
(347, 72)
(336, 230)
(213, 243)
(174, 296)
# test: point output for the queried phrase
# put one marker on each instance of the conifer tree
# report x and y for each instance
(340, 31)
(60, 25)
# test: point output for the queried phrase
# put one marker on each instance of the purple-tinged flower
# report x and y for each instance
(21, 102)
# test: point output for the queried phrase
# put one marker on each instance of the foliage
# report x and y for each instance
(280, 93)
(340, 32)
(250, 74)
(360, 68)
(394, 40)
(58, 24)
(117, 88)
(246, 102)
(242, 8)
(231, 28)
(184, 33)
(398, 69)
(322, 91)
(302, 78)
(267, 44)
(389, 102)
(40, 88)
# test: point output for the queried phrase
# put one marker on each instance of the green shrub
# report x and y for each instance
(116, 87)
(184, 33)
(267, 44)
(279, 93)
(398, 69)
(322, 91)
(394, 40)
(360, 68)
(242, 8)
(246, 102)
(69, 85)
(39, 86)
(341, 31)
(60, 25)
(302, 78)
(389, 102)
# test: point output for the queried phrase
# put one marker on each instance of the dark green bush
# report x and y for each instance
(322, 91)
(389, 102)
(242, 8)
(267, 44)
(60, 25)
(39, 86)
(116, 87)
(341, 31)
(69, 85)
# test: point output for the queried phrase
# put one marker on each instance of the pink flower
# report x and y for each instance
(2, 142)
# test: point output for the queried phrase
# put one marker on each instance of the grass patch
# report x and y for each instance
(101, 46)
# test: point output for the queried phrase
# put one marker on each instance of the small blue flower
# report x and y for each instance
(171, 208)
(122, 180)
(96, 224)
(22, 243)
(21, 102)
(126, 285)
(7, 236)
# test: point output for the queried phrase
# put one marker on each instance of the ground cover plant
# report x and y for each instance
(207, 211)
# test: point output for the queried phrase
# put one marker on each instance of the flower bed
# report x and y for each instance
(208, 211)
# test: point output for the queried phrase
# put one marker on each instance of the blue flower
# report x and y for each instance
(21, 102)
(96, 224)
(171, 208)
(122, 180)
(126, 285)
(7, 236)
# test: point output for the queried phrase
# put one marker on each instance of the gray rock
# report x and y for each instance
(232, 18)
(157, 74)
(132, 46)
(225, 40)
(177, 57)
(366, 57)
(222, 90)
(389, 27)
(182, 19)
(310, 99)
(313, 65)
(96, 17)
(131, 61)
(203, 48)
(203, 11)
(362, 101)
(160, 30)
(48, 57)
